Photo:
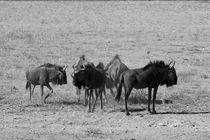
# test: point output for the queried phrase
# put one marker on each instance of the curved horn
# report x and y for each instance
(64, 68)
(172, 61)
(73, 66)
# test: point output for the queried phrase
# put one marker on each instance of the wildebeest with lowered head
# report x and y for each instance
(43, 75)
(152, 75)
(92, 78)
(113, 70)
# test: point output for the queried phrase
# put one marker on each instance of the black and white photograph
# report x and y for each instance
(104, 70)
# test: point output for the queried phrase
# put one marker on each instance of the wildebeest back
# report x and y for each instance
(37, 76)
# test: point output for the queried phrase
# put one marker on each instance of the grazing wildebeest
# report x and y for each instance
(43, 75)
(77, 67)
(93, 79)
(152, 75)
(113, 70)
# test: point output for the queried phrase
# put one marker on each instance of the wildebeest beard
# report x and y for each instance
(160, 76)
(76, 82)
(57, 81)
(169, 84)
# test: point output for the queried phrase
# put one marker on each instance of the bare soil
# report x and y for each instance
(35, 32)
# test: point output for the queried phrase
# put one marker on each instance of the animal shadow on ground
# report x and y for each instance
(64, 102)
(130, 110)
(140, 100)
(185, 112)
(55, 103)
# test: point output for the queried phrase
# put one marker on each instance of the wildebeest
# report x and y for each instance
(152, 75)
(93, 79)
(77, 67)
(101, 67)
(43, 75)
(113, 70)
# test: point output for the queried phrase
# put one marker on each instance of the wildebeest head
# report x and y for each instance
(171, 76)
(80, 78)
(60, 71)
(80, 64)
(62, 76)
(163, 74)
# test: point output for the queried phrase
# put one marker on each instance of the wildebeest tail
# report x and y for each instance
(119, 90)
(28, 84)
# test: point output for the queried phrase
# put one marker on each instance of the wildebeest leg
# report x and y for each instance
(101, 97)
(93, 98)
(104, 91)
(128, 91)
(78, 92)
(50, 88)
(112, 92)
(42, 92)
(116, 86)
(154, 99)
(32, 92)
(89, 100)
(96, 94)
(149, 98)
(33, 89)
(86, 97)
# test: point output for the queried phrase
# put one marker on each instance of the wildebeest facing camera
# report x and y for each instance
(79, 78)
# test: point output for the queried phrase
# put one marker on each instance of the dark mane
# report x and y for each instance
(49, 65)
(157, 63)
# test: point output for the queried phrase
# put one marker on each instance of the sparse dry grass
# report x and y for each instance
(35, 32)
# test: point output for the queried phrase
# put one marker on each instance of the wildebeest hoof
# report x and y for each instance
(150, 112)
(154, 112)
(102, 110)
(128, 114)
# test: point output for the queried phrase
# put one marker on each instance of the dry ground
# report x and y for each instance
(32, 33)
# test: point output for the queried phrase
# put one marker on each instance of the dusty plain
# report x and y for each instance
(36, 32)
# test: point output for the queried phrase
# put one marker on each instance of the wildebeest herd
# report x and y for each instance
(96, 79)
